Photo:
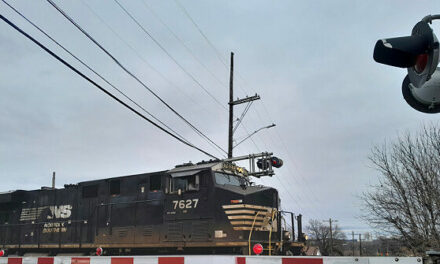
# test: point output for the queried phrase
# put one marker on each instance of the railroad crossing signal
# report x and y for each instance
(265, 164)
(419, 53)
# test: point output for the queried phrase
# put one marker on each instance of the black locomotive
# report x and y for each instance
(209, 207)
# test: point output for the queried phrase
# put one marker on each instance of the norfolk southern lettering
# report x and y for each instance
(209, 207)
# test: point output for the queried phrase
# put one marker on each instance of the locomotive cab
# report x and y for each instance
(221, 207)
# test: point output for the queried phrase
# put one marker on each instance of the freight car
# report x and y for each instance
(209, 207)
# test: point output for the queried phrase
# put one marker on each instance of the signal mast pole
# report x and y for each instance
(231, 106)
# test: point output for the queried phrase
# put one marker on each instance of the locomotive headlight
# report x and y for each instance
(287, 235)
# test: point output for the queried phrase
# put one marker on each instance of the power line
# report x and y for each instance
(167, 53)
(137, 53)
(287, 182)
(100, 87)
(219, 55)
(114, 59)
(246, 109)
(183, 43)
(171, 83)
(88, 67)
(130, 73)
(217, 52)
(145, 31)
(313, 210)
(222, 60)
(312, 195)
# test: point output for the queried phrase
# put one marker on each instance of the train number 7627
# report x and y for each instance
(185, 204)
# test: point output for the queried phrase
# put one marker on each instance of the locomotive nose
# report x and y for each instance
(253, 208)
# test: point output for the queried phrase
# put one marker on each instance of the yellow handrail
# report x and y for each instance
(270, 232)
(250, 232)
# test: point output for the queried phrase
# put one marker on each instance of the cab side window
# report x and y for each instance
(90, 191)
(184, 184)
(155, 183)
(4, 218)
(115, 187)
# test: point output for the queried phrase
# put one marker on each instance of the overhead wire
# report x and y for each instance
(301, 178)
(150, 64)
(171, 83)
(240, 119)
(189, 50)
(298, 200)
(145, 31)
(304, 183)
(217, 52)
(135, 103)
(194, 56)
(313, 198)
(219, 55)
(99, 86)
(183, 44)
(71, 20)
(167, 53)
(89, 68)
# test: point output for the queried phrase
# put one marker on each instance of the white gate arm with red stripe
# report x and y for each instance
(211, 259)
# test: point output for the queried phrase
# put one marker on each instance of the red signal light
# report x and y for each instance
(276, 162)
(99, 251)
(2, 253)
(258, 249)
(421, 62)
(263, 164)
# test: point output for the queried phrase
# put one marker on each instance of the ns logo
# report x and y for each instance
(61, 211)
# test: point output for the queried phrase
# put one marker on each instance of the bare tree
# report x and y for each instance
(320, 234)
(406, 202)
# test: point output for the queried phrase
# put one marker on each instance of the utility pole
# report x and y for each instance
(331, 237)
(231, 106)
(360, 245)
(331, 234)
(352, 241)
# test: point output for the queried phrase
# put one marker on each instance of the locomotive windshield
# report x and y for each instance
(227, 179)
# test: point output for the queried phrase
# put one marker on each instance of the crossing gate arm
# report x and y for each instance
(210, 259)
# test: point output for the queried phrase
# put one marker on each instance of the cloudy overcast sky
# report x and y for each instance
(310, 61)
